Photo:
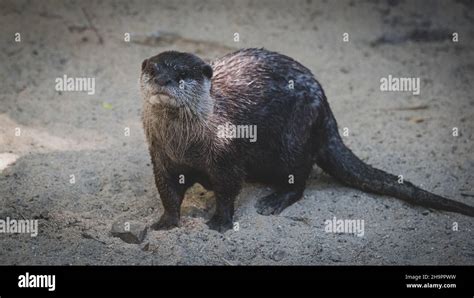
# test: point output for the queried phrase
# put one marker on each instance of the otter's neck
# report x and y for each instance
(178, 129)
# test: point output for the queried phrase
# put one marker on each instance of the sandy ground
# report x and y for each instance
(72, 133)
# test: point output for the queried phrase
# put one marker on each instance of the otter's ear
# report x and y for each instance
(207, 71)
(144, 63)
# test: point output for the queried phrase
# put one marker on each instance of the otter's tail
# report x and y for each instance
(339, 161)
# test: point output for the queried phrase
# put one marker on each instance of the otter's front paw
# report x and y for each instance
(166, 222)
(219, 224)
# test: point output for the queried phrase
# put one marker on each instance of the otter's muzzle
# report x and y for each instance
(160, 79)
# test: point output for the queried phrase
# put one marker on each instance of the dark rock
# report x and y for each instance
(146, 247)
(278, 255)
(129, 231)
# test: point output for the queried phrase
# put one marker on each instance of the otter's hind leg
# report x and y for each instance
(289, 189)
(276, 202)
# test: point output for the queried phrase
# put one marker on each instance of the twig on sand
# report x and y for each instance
(412, 108)
(18, 211)
(89, 236)
(228, 262)
(91, 25)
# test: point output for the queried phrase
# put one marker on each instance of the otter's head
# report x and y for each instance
(177, 80)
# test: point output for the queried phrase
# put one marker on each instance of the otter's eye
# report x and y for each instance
(207, 71)
(181, 76)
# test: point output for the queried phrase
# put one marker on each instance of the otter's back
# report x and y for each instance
(258, 81)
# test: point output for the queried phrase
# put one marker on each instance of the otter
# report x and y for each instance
(187, 100)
